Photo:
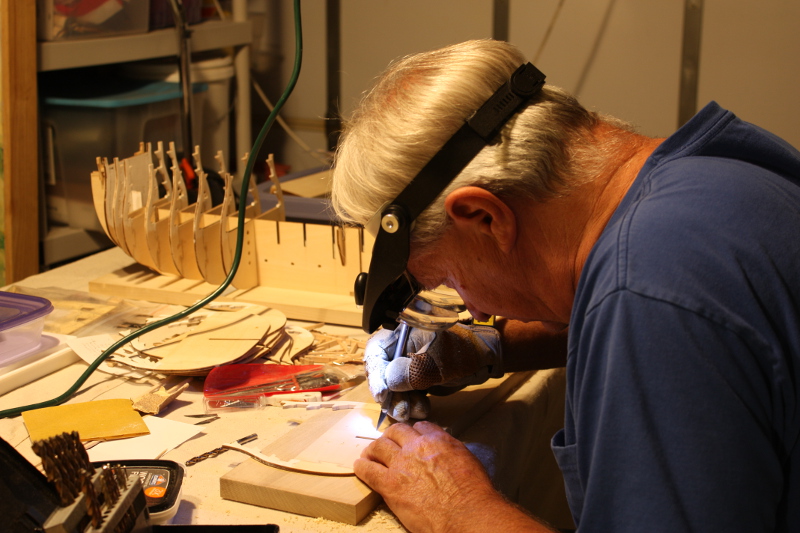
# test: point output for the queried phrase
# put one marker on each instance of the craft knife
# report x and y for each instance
(399, 351)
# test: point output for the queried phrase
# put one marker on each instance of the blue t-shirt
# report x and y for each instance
(683, 372)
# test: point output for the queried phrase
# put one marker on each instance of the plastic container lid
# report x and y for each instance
(19, 309)
(149, 93)
(21, 323)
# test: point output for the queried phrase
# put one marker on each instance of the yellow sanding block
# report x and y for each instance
(97, 420)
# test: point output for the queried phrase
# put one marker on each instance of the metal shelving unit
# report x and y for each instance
(208, 35)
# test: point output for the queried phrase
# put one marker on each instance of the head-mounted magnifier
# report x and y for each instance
(388, 288)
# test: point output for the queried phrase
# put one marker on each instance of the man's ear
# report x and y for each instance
(474, 208)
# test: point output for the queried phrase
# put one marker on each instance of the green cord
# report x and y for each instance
(239, 239)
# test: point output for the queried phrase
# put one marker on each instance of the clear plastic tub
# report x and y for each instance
(82, 19)
(21, 324)
(78, 129)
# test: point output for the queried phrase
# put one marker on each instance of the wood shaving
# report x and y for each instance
(329, 348)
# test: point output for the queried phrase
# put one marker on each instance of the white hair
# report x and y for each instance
(421, 100)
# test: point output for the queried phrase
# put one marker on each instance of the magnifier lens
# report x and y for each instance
(433, 310)
(443, 297)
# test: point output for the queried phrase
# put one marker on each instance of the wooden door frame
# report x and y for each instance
(20, 138)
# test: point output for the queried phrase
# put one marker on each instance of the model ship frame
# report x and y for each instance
(185, 250)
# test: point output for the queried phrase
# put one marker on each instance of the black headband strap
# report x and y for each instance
(386, 291)
(464, 145)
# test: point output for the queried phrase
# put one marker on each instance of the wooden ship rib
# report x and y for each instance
(185, 250)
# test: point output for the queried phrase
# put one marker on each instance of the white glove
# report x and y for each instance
(439, 362)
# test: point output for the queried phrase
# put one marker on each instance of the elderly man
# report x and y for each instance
(670, 266)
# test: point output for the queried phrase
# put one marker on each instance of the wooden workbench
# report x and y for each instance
(517, 431)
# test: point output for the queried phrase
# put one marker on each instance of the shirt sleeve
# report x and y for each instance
(672, 422)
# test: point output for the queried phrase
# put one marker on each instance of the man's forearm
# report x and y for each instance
(495, 514)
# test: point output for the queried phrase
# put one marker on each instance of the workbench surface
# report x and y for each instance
(516, 432)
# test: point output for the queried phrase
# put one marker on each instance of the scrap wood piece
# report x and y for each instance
(334, 405)
(337, 349)
(192, 325)
(219, 346)
(274, 354)
(329, 348)
(300, 341)
(198, 354)
(327, 359)
(210, 319)
(257, 352)
(293, 342)
(159, 397)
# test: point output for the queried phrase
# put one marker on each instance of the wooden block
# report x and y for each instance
(340, 498)
(345, 498)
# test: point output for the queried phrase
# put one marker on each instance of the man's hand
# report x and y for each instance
(423, 474)
(440, 362)
(433, 483)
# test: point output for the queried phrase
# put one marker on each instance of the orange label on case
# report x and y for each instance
(155, 492)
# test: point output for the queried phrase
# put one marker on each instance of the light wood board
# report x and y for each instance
(140, 283)
(345, 498)
(327, 445)
(316, 185)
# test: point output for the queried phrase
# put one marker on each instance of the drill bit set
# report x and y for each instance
(92, 500)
